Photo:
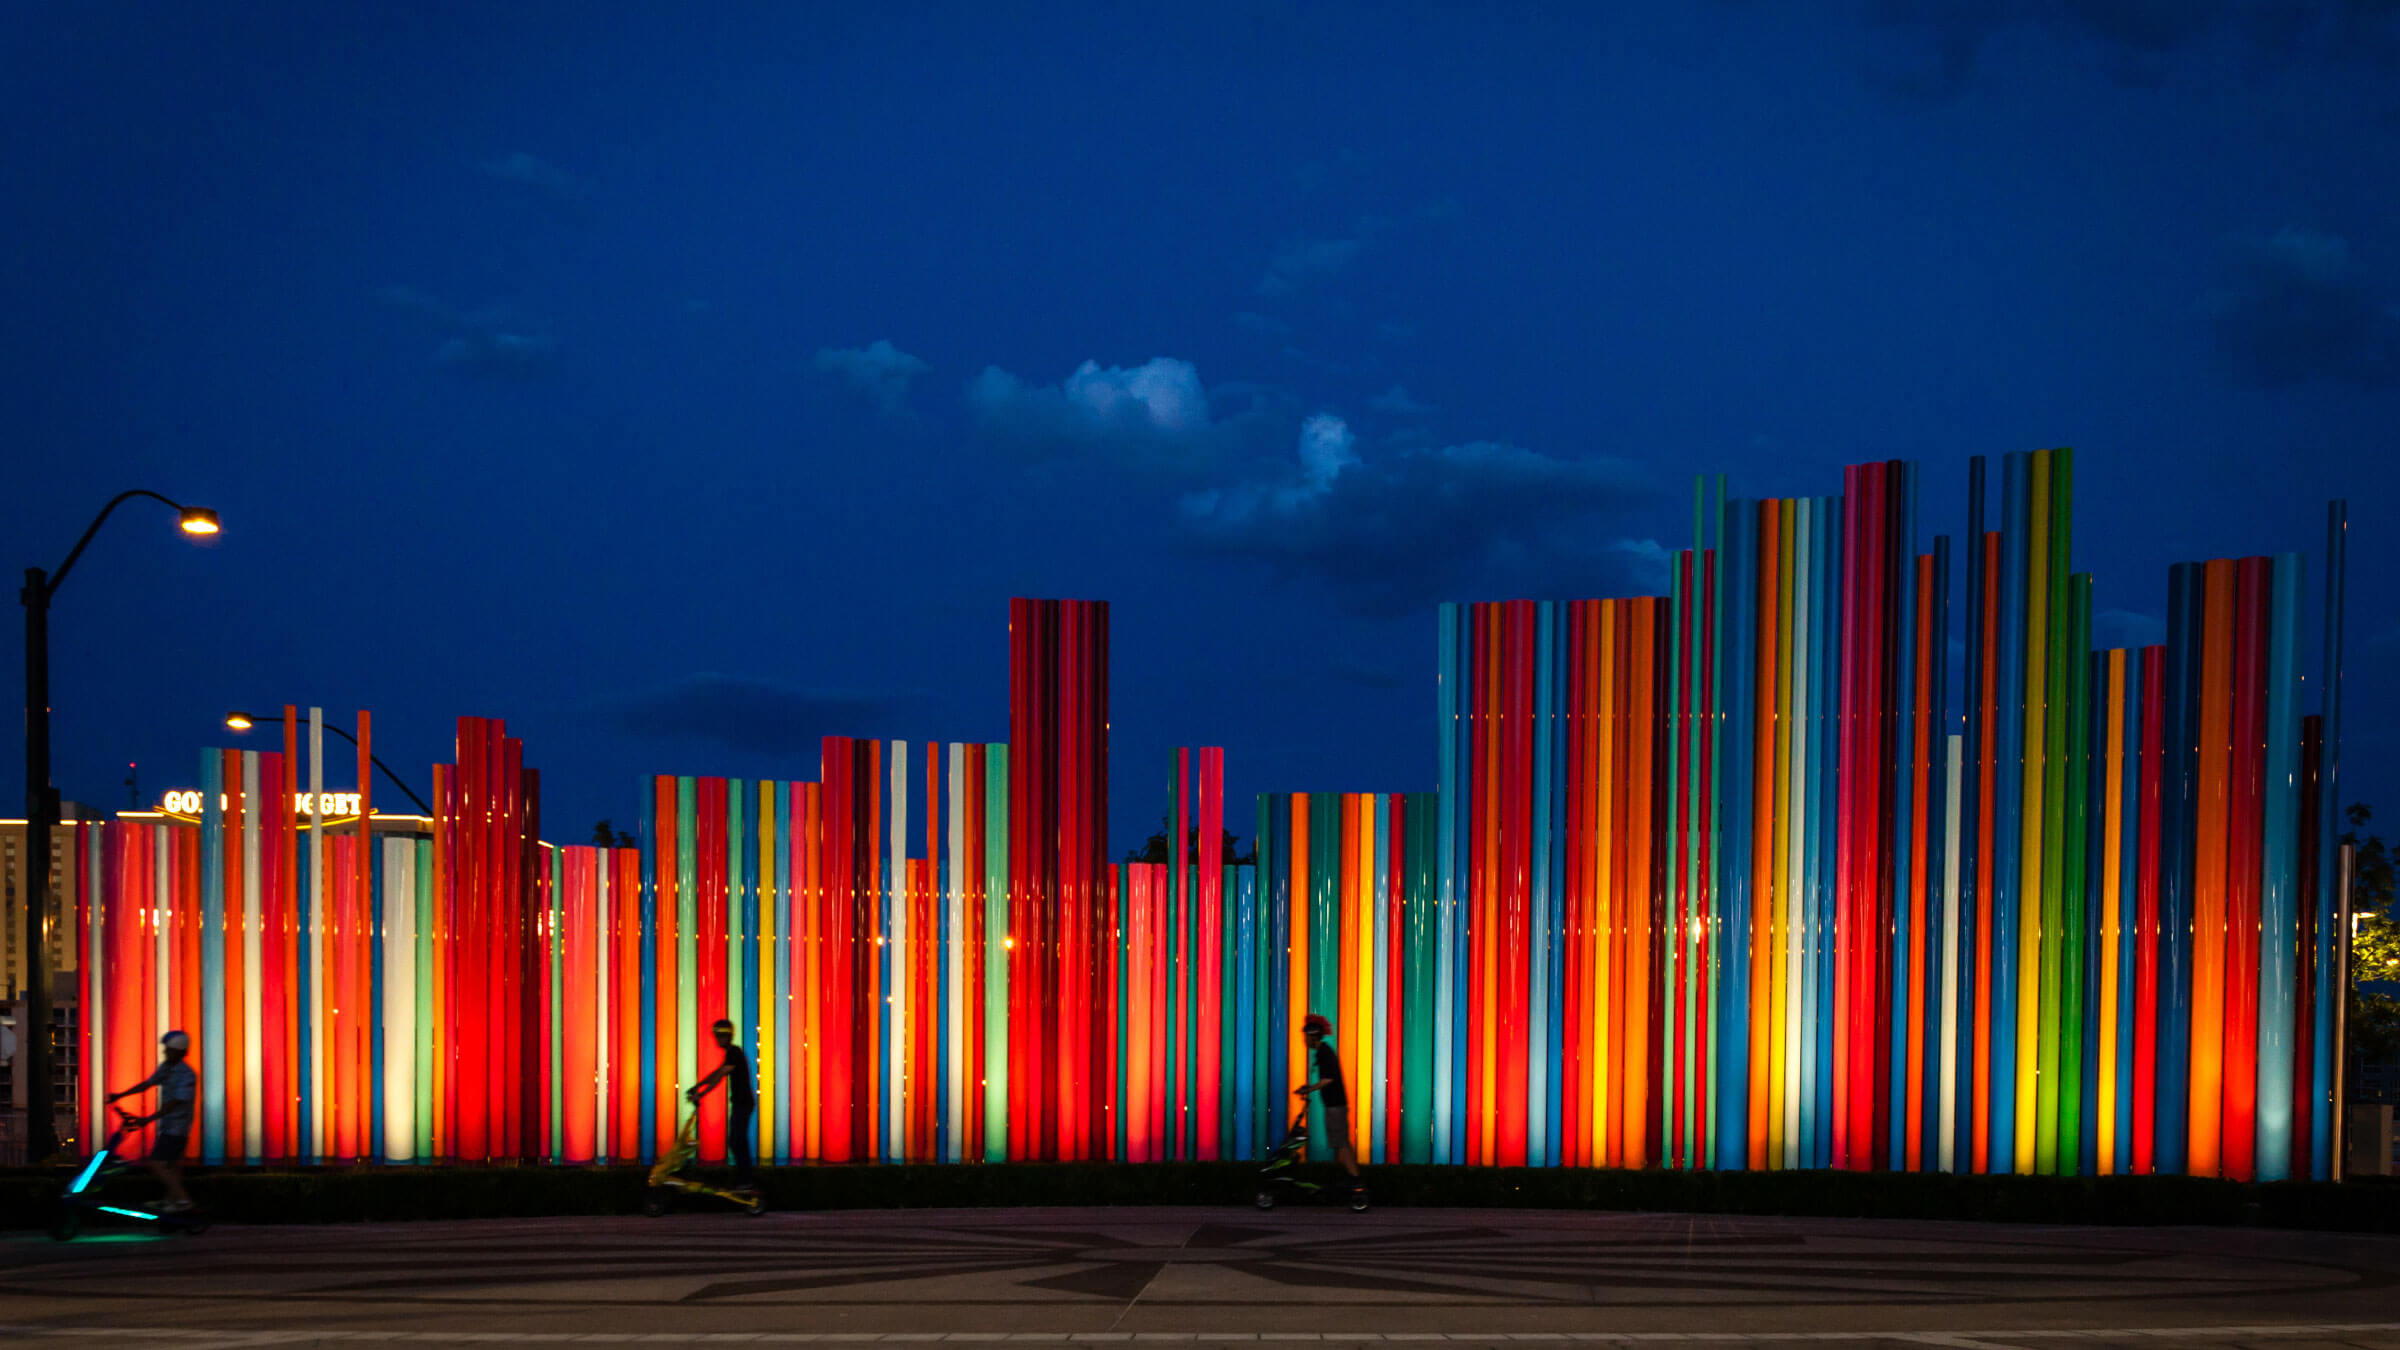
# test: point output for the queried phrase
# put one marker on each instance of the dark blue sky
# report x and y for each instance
(688, 383)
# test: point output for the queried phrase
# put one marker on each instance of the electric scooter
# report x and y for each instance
(83, 1199)
(673, 1173)
(1282, 1170)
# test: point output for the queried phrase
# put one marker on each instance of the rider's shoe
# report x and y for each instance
(174, 1206)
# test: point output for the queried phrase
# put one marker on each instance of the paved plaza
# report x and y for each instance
(1124, 1275)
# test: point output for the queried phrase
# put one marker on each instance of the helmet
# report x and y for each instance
(175, 1040)
(1316, 1023)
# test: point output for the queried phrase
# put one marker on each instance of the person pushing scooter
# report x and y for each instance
(177, 1085)
(1332, 1091)
(741, 1101)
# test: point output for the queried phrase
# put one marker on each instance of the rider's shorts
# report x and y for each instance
(165, 1147)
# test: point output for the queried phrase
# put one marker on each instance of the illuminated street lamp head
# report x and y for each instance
(199, 520)
(238, 721)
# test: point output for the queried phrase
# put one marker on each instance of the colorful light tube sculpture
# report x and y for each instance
(1725, 878)
(1855, 937)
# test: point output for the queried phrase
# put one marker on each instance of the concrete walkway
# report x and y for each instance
(1452, 1276)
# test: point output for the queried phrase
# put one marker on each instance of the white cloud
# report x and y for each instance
(1156, 412)
(1163, 393)
(1647, 562)
(1326, 448)
(878, 370)
(1395, 531)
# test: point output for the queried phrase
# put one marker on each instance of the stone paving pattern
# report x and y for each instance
(1127, 1275)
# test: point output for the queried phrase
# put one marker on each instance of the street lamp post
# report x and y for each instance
(41, 816)
(242, 721)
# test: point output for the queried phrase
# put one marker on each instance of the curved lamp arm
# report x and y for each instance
(196, 520)
(247, 721)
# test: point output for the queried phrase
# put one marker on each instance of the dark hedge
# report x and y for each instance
(358, 1194)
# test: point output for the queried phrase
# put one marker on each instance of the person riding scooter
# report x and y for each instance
(741, 1101)
(1332, 1092)
(177, 1085)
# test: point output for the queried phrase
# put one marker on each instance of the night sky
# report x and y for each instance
(690, 382)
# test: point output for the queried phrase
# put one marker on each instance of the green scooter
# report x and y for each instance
(83, 1200)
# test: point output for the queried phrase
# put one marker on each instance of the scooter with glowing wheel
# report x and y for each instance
(83, 1200)
(673, 1173)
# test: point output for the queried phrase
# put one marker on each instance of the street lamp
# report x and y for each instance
(41, 814)
(242, 721)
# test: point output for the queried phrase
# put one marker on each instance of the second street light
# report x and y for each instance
(41, 816)
(242, 721)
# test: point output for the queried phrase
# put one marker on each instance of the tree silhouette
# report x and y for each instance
(606, 835)
(1154, 849)
(2374, 946)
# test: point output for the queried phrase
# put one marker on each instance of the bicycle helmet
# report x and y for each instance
(1316, 1022)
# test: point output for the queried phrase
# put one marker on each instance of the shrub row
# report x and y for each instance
(360, 1194)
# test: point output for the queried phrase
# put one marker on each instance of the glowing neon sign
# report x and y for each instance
(188, 801)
